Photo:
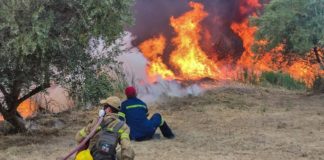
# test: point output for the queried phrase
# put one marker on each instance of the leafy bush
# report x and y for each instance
(282, 79)
(97, 88)
(101, 86)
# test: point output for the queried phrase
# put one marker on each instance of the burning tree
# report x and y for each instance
(47, 41)
(297, 25)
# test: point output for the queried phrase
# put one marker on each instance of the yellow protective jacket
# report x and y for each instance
(127, 152)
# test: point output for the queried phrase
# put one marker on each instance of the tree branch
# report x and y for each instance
(33, 92)
(3, 90)
(318, 58)
(2, 110)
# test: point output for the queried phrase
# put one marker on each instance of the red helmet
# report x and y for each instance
(130, 92)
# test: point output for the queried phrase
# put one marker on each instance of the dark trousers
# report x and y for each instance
(154, 122)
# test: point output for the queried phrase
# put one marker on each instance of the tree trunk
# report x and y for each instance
(318, 58)
(18, 123)
(319, 82)
(12, 101)
(16, 120)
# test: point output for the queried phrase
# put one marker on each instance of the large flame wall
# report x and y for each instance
(190, 52)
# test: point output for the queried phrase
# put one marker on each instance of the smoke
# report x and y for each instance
(152, 18)
(56, 99)
(134, 64)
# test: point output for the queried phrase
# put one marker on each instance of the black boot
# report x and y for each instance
(166, 131)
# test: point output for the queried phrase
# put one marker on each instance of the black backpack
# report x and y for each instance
(105, 147)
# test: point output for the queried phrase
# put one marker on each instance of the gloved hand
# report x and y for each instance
(102, 113)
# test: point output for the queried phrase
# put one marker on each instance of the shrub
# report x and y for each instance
(283, 80)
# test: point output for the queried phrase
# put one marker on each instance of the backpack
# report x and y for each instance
(105, 147)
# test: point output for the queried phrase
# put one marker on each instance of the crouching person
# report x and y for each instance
(103, 145)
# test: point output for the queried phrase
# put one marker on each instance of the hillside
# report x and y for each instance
(228, 123)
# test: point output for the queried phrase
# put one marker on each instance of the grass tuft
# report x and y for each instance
(283, 80)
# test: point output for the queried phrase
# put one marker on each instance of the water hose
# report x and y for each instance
(84, 141)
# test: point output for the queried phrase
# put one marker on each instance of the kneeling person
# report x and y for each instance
(110, 132)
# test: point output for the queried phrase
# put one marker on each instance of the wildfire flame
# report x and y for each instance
(247, 5)
(188, 58)
(26, 109)
(246, 33)
(188, 61)
(153, 49)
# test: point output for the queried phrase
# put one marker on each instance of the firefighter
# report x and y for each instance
(134, 111)
(102, 146)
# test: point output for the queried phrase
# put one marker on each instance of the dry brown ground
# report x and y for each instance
(229, 123)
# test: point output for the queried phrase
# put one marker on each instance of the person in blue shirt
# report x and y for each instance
(134, 111)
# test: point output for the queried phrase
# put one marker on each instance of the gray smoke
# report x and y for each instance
(134, 65)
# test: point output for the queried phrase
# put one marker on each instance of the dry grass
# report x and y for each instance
(228, 123)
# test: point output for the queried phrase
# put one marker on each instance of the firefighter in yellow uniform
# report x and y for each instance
(102, 146)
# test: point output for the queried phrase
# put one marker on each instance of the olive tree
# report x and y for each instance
(47, 41)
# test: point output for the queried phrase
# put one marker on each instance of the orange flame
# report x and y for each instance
(26, 109)
(153, 50)
(299, 69)
(302, 71)
(188, 57)
(188, 61)
(247, 5)
(246, 33)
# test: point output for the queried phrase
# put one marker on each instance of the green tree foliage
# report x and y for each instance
(47, 41)
(298, 24)
(96, 87)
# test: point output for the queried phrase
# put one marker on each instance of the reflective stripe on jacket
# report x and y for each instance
(126, 149)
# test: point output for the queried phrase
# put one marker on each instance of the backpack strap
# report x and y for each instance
(104, 124)
(119, 125)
